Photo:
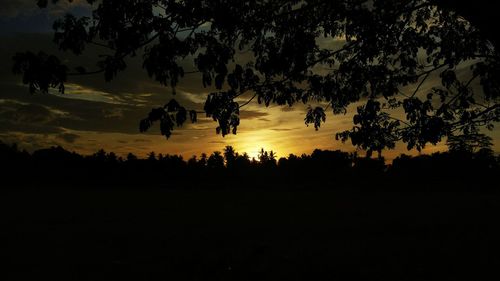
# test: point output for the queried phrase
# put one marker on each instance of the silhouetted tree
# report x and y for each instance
(272, 157)
(192, 162)
(215, 161)
(333, 52)
(152, 156)
(230, 156)
(203, 160)
(242, 162)
(331, 162)
(131, 157)
(56, 166)
(267, 158)
(369, 169)
(263, 155)
(111, 157)
(469, 142)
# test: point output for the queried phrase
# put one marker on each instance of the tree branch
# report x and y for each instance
(420, 84)
(477, 115)
(248, 101)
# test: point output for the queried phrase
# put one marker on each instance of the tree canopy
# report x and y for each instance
(330, 54)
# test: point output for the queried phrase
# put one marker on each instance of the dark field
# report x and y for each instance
(249, 235)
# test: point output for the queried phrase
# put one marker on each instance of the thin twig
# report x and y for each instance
(420, 84)
(248, 101)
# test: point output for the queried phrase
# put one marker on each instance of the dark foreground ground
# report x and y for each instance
(248, 235)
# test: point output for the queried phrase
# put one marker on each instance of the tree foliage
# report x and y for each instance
(322, 169)
(331, 53)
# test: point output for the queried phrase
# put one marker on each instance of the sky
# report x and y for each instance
(94, 114)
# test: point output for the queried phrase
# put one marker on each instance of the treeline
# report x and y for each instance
(323, 169)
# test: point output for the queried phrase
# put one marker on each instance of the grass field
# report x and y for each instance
(249, 235)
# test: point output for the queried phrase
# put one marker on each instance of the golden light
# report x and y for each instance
(253, 142)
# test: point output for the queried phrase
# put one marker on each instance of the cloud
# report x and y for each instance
(30, 117)
(142, 140)
(29, 112)
(219, 142)
(288, 108)
(18, 112)
(195, 98)
(283, 129)
(75, 91)
(28, 141)
(252, 114)
(106, 115)
(68, 137)
(116, 113)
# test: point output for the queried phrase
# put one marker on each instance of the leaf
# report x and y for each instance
(193, 116)
(219, 81)
(144, 125)
(181, 116)
(172, 106)
(315, 116)
(166, 126)
(40, 71)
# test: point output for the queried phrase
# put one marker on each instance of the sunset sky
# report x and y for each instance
(94, 114)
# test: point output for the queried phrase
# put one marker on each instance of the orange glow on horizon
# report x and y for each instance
(252, 143)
